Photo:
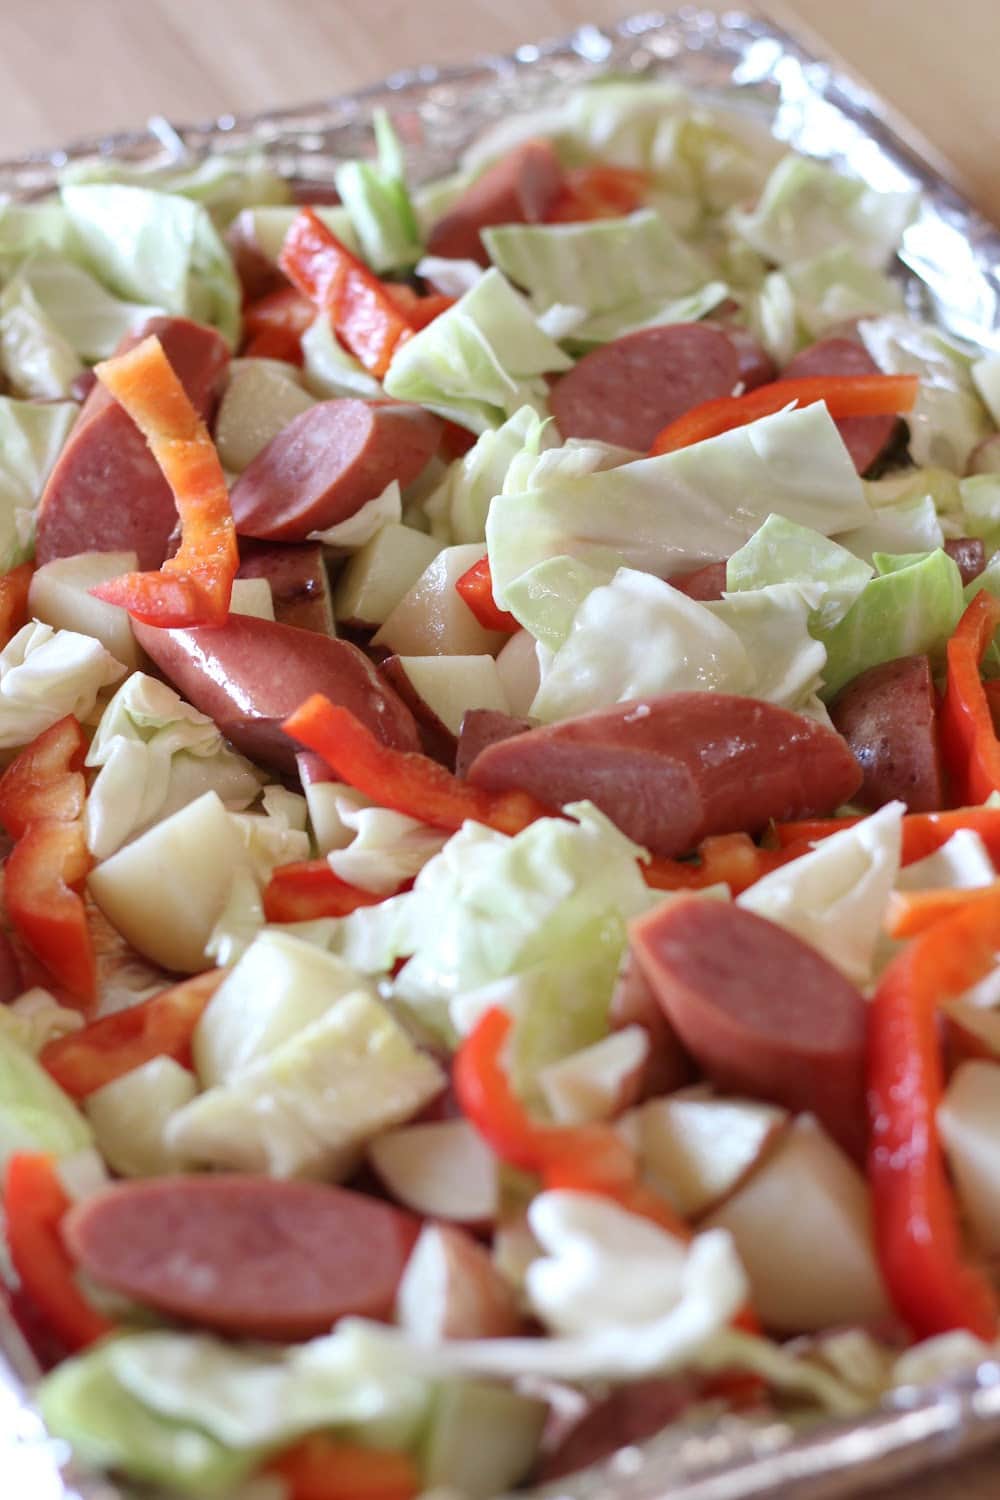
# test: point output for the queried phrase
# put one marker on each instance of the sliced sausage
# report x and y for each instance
(626, 391)
(888, 716)
(249, 1256)
(864, 437)
(970, 554)
(106, 492)
(328, 462)
(518, 189)
(481, 727)
(756, 367)
(300, 587)
(11, 979)
(249, 675)
(628, 1415)
(761, 1012)
(704, 584)
(670, 771)
(633, 1003)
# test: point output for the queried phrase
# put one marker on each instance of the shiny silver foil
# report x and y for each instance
(951, 264)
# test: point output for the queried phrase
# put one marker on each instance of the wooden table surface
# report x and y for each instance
(69, 68)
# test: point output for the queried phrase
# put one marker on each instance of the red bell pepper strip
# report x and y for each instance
(923, 833)
(194, 586)
(34, 1204)
(323, 1468)
(274, 343)
(46, 780)
(308, 889)
(916, 1219)
(287, 310)
(600, 192)
(455, 441)
(14, 587)
(404, 780)
(969, 741)
(476, 588)
(731, 859)
(910, 913)
(43, 881)
(844, 395)
(366, 319)
(418, 311)
(106, 1049)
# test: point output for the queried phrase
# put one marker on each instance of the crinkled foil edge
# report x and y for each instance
(950, 261)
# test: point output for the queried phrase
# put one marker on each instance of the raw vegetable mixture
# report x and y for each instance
(501, 913)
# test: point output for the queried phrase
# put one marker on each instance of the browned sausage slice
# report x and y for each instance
(328, 462)
(756, 367)
(888, 716)
(300, 588)
(518, 189)
(625, 391)
(761, 1012)
(106, 492)
(628, 1415)
(633, 1003)
(864, 437)
(970, 554)
(481, 727)
(249, 675)
(669, 771)
(705, 583)
(249, 1256)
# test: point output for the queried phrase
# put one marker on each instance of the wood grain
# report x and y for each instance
(69, 69)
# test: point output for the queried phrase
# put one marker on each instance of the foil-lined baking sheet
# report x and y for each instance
(950, 261)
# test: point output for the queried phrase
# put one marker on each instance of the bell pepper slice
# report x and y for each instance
(599, 192)
(309, 889)
(323, 1468)
(106, 1049)
(909, 913)
(194, 586)
(417, 310)
(731, 859)
(366, 319)
(14, 586)
(286, 309)
(916, 1218)
(475, 587)
(923, 833)
(274, 343)
(404, 780)
(46, 779)
(969, 741)
(844, 395)
(43, 881)
(34, 1203)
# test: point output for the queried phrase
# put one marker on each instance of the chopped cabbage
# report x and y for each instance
(46, 674)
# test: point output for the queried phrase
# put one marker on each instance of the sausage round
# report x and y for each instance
(705, 583)
(106, 492)
(481, 727)
(761, 1012)
(970, 554)
(628, 1415)
(249, 1256)
(756, 367)
(864, 437)
(670, 771)
(626, 391)
(633, 1003)
(327, 463)
(518, 189)
(249, 675)
(888, 716)
(11, 979)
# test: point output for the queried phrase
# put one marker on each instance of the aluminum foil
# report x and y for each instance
(950, 261)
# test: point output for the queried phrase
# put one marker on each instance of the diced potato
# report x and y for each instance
(252, 596)
(433, 619)
(969, 1120)
(452, 1290)
(375, 579)
(442, 1169)
(482, 1439)
(261, 399)
(165, 891)
(129, 1116)
(517, 664)
(449, 685)
(599, 1081)
(802, 1228)
(59, 597)
(695, 1149)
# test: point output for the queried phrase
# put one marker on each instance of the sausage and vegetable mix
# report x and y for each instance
(498, 700)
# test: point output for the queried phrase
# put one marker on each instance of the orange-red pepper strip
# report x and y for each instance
(916, 1218)
(194, 586)
(475, 587)
(14, 586)
(320, 1467)
(910, 913)
(365, 317)
(600, 192)
(34, 1203)
(969, 741)
(308, 889)
(162, 1026)
(923, 833)
(844, 395)
(42, 793)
